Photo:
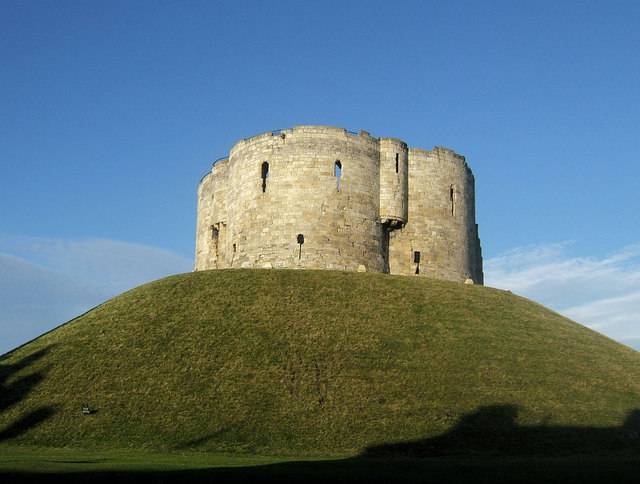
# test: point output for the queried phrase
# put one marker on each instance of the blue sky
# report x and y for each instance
(110, 112)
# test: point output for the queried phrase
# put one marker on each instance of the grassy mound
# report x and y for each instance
(315, 362)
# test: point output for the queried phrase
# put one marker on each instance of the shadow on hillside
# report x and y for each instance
(14, 391)
(485, 446)
(493, 430)
(194, 443)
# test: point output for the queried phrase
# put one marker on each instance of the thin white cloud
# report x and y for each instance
(34, 299)
(110, 265)
(44, 282)
(602, 293)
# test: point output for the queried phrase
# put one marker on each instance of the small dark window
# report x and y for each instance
(337, 171)
(452, 199)
(416, 257)
(265, 174)
(300, 240)
(234, 247)
(215, 235)
(396, 162)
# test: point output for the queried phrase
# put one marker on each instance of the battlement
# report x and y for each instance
(443, 153)
(305, 130)
(327, 198)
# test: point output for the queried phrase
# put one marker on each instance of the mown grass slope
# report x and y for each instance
(310, 363)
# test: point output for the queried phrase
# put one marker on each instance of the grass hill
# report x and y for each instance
(318, 363)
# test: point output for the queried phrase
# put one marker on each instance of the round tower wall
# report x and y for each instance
(394, 156)
(441, 220)
(286, 183)
(212, 218)
(203, 222)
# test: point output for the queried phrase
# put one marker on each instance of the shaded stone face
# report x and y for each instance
(319, 197)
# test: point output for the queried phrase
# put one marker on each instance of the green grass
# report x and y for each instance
(66, 460)
(317, 363)
(28, 464)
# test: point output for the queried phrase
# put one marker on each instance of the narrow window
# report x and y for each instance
(396, 162)
(233, 256)
(416, 260)
(265, 174)
(215, 233)
(337, 171)
(300, 240)
(452, 199)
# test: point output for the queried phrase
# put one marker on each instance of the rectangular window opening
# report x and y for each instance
(215, 236)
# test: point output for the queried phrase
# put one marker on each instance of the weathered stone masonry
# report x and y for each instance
(319, 197)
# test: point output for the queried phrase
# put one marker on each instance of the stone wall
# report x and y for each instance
(211, 247)
(441, 222)
(394, 173)
(358, 202)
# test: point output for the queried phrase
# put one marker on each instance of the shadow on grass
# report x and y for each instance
(191, 444)
(493, 430)
(14, 391)
(486, 446)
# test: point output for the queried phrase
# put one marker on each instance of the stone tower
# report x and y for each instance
(319, 197)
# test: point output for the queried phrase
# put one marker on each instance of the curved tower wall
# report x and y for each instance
(212, 217)
(337, 216)
(203, 222)
(441, 223)
(394, 156)
(278, 185)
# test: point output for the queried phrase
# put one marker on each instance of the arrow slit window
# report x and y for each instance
(337, 172)
(264, 175)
